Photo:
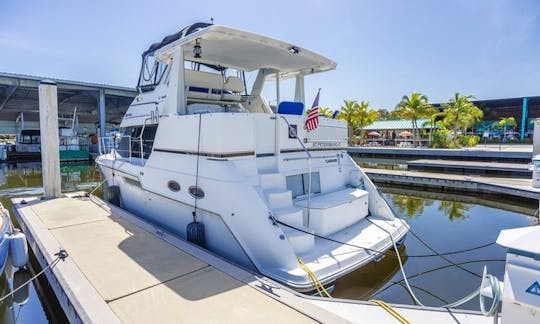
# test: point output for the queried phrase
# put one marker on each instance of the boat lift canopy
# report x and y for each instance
(224, 46)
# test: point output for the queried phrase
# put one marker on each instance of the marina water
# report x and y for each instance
(447, 222)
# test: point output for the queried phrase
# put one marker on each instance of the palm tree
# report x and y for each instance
(473, 115)
(348, 114)
(413, 107)
(505, 122)
(460, 112)
(431, 113)
(365, 116)
(326, 112)
(384, 114)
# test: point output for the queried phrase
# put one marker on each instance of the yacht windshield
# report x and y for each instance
(152, 73)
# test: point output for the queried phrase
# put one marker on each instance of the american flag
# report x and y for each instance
(312, 120)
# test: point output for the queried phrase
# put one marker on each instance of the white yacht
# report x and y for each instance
(200, 146)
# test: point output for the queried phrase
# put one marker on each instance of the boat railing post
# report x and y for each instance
(276, 125)
(309, 193)
(141, 155)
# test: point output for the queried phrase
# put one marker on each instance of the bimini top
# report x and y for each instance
(233, 48)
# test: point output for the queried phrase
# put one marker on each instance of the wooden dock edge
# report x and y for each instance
(83, 304)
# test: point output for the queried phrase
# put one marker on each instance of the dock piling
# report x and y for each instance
(536, 138)
(48, 124)
(102, 113)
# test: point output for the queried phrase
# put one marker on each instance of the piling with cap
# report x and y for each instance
(48, 124)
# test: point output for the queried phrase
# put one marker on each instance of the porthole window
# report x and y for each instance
(173, 186)
(196, 192)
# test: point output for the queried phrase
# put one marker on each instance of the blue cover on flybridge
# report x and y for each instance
(171, 38)
(291, 108)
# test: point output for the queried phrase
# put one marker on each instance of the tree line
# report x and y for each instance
(448, 124)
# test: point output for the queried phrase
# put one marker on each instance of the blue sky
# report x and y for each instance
(384, 49)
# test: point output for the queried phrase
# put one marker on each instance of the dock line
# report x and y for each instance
(391, 311)
(386, 253)
(492, 280)
(60, 256)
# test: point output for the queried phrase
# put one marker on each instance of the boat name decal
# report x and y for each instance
(326, 144)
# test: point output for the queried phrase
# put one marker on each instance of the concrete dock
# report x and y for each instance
(122, 269)
(516, 169)
(490, 152)
(479, 184)
(117, 271)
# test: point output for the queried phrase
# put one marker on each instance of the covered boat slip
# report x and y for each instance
(121, 269)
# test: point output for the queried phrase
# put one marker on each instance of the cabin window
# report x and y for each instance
(173, 186)
(130, 143)
(26, 139)
(30, 136)
(299, 184)
(196, 192)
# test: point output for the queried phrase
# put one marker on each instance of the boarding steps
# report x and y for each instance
(279, 200)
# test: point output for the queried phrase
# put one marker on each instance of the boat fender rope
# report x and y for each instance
(318, 285)
(392, 311)
(61, 255)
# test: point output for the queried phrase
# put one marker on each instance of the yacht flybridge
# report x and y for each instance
(201, 148)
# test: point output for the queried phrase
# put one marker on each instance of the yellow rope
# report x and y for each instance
(318, 285)
(391, 311)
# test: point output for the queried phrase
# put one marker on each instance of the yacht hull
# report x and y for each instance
(226, 212)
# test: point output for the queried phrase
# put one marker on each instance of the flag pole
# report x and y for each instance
(309, 169)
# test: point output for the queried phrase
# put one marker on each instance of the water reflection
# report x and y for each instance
(410, 206)
(454, 210)
(398, 192)
(12, 309)
(20, 179)
(365, 282)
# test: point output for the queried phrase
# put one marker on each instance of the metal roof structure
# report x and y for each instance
(19, 93)
(398, 124)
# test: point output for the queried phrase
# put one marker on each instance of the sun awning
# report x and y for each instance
(246, 51)
(399, 124)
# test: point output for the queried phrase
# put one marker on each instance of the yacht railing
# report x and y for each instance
(111, 144)
(309, 158)
(132, 148)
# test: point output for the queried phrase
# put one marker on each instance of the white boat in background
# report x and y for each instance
(200, 146)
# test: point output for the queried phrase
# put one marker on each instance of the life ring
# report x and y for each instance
(94, 139)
